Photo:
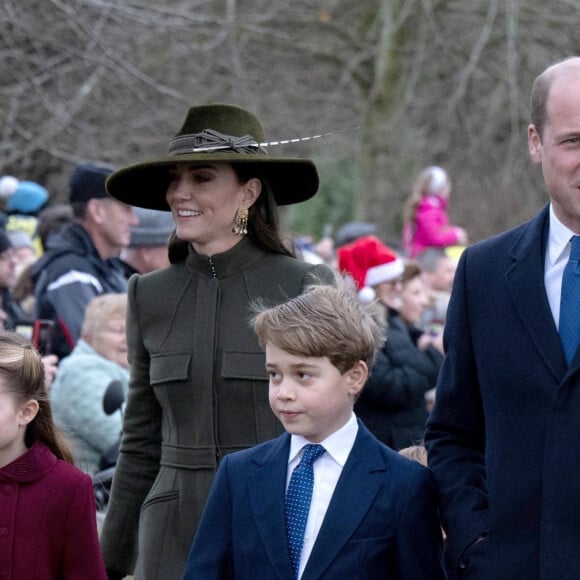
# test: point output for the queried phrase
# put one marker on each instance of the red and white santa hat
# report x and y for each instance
(369, 262)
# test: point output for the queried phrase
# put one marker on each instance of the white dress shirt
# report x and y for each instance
(557, 254)
(327, 471)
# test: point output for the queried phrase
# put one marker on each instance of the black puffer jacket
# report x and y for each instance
(12, 310)
(67, 277)
(392, 403)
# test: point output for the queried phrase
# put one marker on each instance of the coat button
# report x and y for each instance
(3, 532)
(7, 488)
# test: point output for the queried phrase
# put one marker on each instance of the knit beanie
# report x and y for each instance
(154, 228)
(28, 198)
(20, 239)
(88, 182)
(351, 231)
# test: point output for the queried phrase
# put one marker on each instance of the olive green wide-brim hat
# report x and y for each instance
(215, 133)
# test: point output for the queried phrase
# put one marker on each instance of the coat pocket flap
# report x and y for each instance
(166, 368)
(244, 365)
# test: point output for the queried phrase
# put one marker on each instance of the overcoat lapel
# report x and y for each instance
(266, 489)
(525, 283)
(359, 483)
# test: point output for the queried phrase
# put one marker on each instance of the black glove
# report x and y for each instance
(113, 575)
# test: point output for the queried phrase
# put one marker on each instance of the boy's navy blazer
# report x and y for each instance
(382, 521)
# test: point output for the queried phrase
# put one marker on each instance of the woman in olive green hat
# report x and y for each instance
(198, 386)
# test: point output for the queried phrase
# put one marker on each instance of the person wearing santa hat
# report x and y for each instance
(392, 404)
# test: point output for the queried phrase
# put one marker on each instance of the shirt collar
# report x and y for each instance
(338, 445)
(558, 238)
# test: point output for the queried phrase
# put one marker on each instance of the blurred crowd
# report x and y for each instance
(63, 283)
(62, 266)
(171, 281)
(411, 281)
(64, 287)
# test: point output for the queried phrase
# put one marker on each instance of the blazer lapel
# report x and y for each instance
(266, 488)
(525, 282)
(359, 483)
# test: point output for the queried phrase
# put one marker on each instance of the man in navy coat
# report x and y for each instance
(504, 436)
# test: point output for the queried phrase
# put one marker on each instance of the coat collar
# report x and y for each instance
(30, 466)
(525, 282)
(266, 488)
(357, 487)
(225, 264)
(359, 483)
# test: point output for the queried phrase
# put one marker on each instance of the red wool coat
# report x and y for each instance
(48, 527)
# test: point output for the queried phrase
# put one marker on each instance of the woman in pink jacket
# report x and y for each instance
(48, 528)
(426, 223)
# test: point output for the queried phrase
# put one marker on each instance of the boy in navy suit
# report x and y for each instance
(363, 511)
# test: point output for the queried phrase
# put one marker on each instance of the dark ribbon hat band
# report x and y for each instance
(210, 140)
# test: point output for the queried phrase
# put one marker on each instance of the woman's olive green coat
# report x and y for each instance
(198, 390)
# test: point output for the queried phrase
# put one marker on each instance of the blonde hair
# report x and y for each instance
(324, 321)
(101, 309)
(416, 453)
(421, 187)
(22, 374)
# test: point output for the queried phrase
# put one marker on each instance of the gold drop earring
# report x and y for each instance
(241, 222)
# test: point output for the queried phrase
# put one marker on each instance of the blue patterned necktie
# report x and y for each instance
(297, 505)
(569, 326)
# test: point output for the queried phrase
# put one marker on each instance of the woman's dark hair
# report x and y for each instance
(263, 219)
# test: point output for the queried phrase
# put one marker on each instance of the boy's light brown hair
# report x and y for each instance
(325, 321)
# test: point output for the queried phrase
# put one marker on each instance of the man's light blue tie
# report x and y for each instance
(297, 505)
(569, 326)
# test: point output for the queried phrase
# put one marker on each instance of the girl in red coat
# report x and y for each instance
(48, 526)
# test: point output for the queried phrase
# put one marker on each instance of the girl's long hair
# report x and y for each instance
(420, 189)
(22, 376)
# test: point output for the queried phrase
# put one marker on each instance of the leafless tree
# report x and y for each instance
(427, 81)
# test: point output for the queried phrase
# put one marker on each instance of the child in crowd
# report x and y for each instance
(47, 506)
(368, 512)
(425, 219)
